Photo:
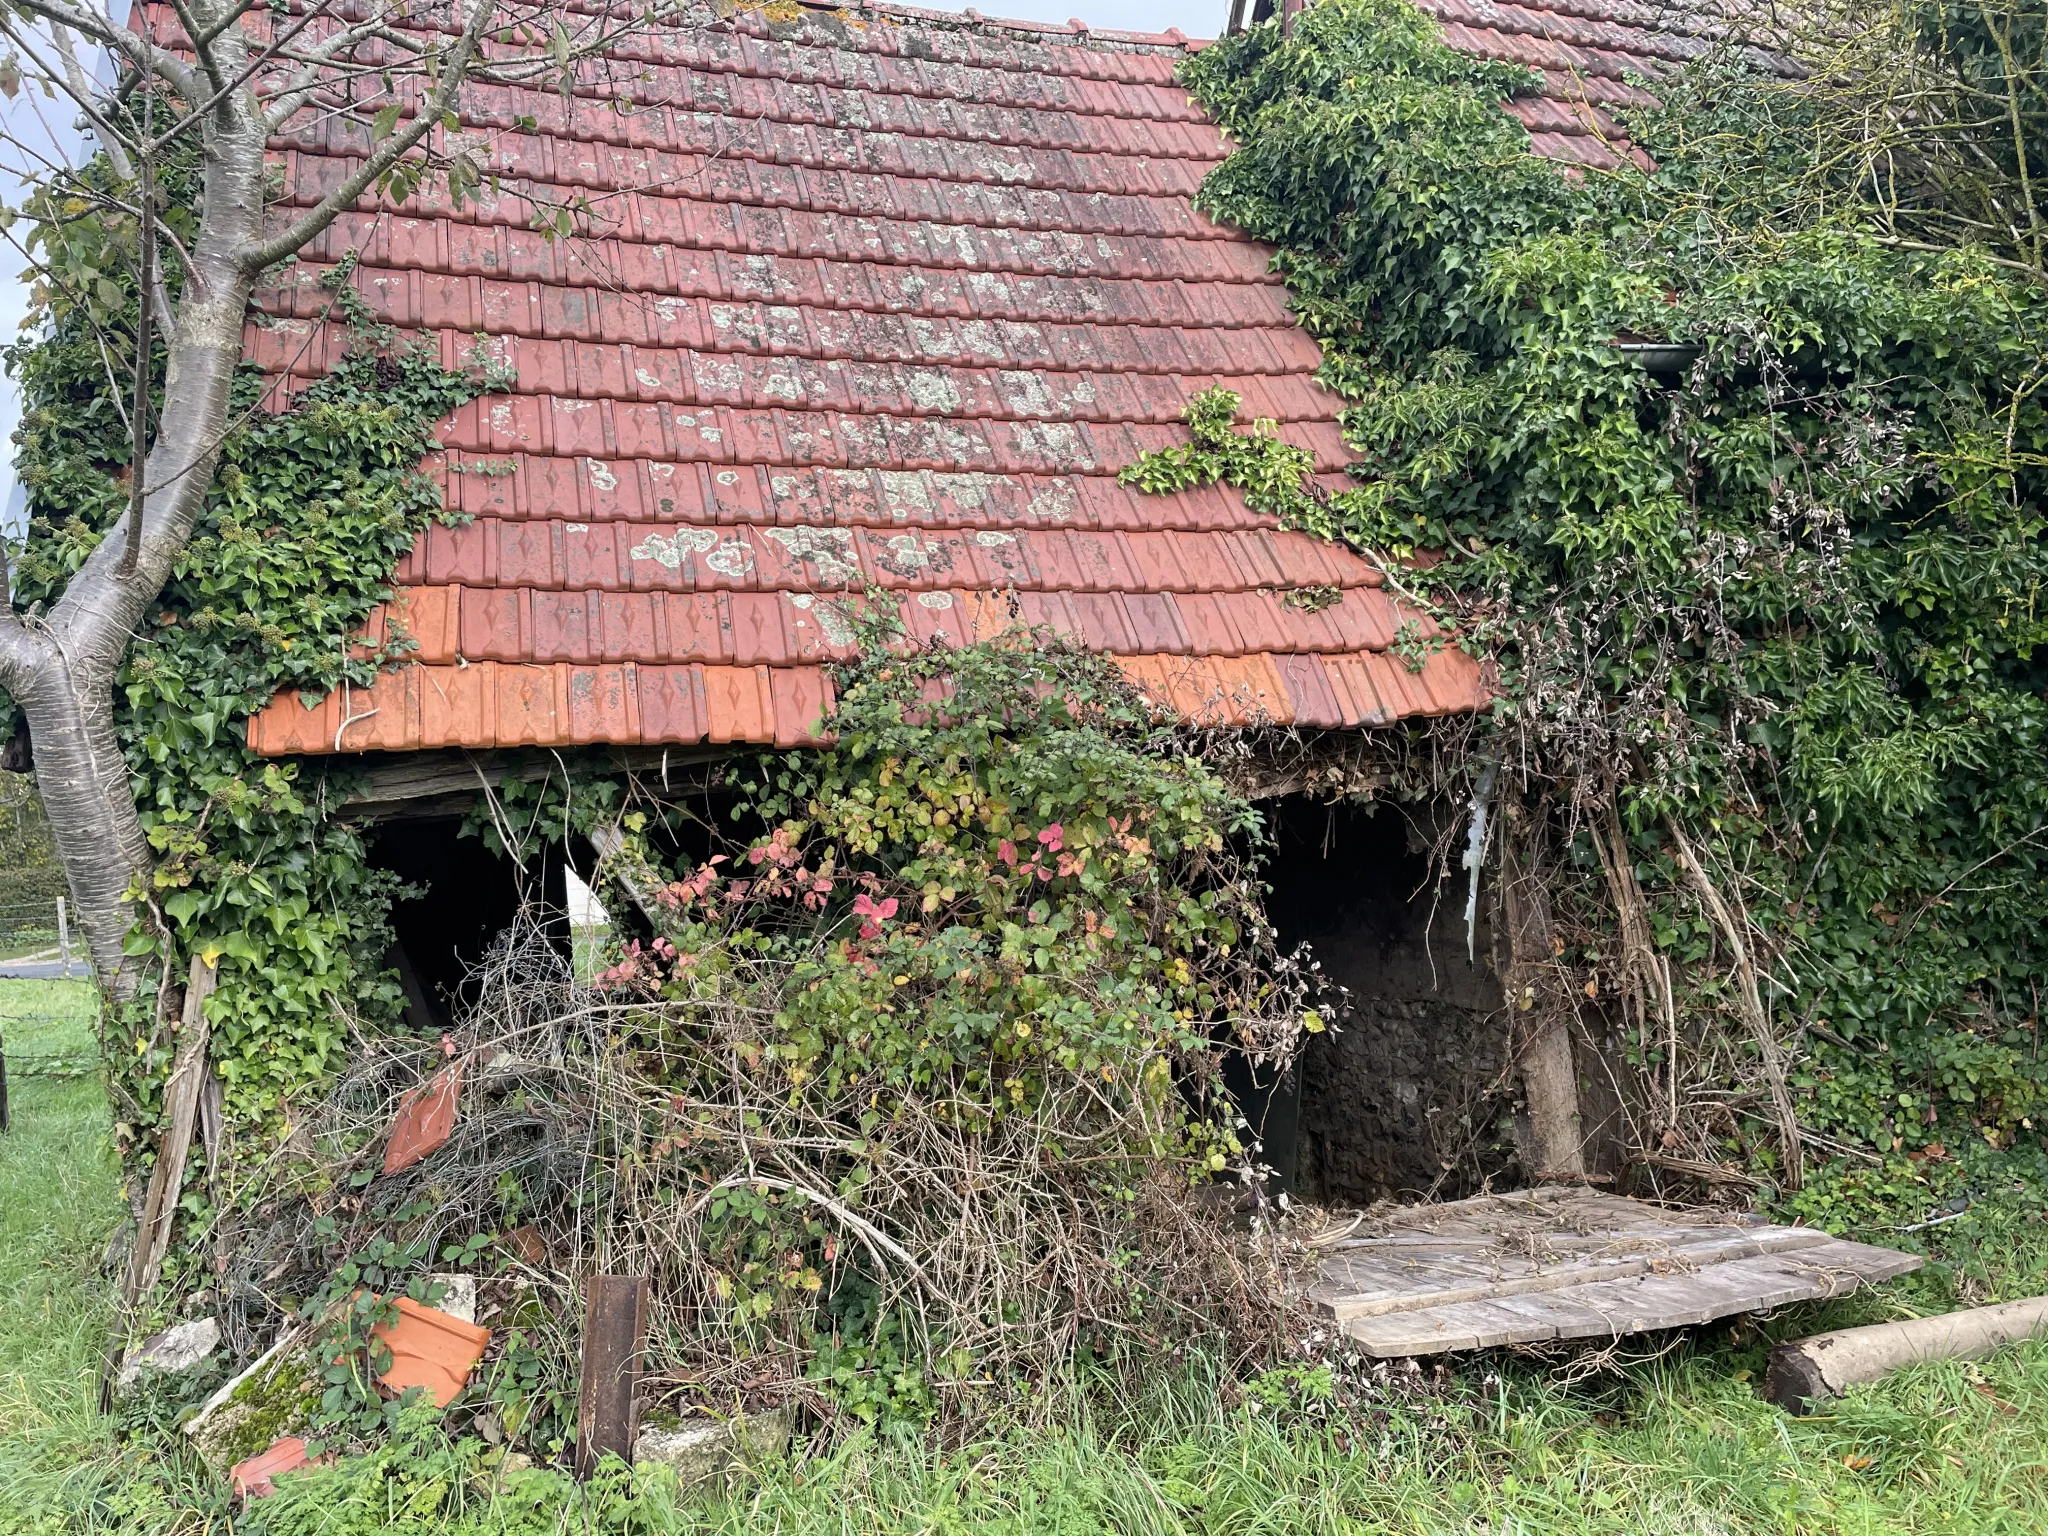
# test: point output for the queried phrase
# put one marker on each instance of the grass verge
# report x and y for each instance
(1674, 1444)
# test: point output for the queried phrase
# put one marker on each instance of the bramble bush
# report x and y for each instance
(908, 1083)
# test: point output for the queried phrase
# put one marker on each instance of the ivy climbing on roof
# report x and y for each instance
(1780, 605)
(312, 507)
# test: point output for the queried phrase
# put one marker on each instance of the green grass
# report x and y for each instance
(1677, 1445)
(58, 1204)
(23, 945)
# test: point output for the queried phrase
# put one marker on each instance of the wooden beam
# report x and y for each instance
(614, 1333)
(1539, 1018)
(181, 1112)
(412, 785)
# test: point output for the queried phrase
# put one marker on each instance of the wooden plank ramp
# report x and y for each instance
(1569, 1263)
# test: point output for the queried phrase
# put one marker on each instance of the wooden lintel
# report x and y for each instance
(414, 786)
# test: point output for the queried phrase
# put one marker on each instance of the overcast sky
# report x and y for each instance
(1197, 18)
(31, 119)
(39, 126)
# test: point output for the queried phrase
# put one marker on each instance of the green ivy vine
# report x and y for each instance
(1784, 597)
(311, 509)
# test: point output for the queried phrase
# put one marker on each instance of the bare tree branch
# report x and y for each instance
(454, 72)
(202, 43)
(70, 78)
(137, 49)
(248, 72)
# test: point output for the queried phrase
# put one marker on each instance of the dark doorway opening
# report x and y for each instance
(1411, 1093)
(466, 895)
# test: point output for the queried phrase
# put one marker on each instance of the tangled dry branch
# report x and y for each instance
(648, 1137)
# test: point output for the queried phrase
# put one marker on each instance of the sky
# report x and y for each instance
(30, 119)
(1197, 18)
(34, 124)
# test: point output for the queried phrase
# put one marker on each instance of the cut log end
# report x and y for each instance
(1794, 1381)
(1805, 1371)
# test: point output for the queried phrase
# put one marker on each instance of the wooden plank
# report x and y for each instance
(181, 1112)
(1610, 1308)
(1872, 1263)
(1524, 1277)
(1346, 1308)
(1395, 1274)
(614, 1333)
(1471, 1325)
(1553, 1315)
(1563, 1316)
(1556, 1245)
(1573, 1264)
(1678, 1301)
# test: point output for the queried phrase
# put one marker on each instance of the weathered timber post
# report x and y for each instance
(1539, 1019)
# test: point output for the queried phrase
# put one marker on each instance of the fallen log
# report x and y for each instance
(1804, 1371)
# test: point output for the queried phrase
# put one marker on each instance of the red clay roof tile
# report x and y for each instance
(870, 301)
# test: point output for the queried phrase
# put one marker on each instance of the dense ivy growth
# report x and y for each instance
(311, 510)
(1785, 600)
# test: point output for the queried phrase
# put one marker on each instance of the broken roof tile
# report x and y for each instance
(430, 1350)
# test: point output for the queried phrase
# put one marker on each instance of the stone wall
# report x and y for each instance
(1412, 1093)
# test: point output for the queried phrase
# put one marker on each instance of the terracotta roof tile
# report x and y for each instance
(1597, 53)
(867, 302)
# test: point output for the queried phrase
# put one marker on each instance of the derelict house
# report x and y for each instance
(884, 296)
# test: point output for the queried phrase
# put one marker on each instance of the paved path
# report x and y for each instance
(42, 970)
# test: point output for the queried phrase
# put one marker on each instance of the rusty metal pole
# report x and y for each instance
(614, 1333)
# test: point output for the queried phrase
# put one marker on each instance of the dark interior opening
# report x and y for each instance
(466, 895)
(1410, 1094)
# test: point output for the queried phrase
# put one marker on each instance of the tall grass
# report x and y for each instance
(1678, 1445)
(1681, 1447)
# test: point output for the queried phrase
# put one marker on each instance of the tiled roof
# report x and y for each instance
(1592, 54)
(862, 298)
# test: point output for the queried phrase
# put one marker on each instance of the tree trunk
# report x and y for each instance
(61, 667)
(83, 780)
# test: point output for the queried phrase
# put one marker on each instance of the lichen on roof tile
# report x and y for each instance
(874, 297)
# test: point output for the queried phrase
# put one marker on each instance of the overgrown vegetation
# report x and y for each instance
(902, 1091)
(1767, 628)
(1675, 1445)
(311, 509)
(905, 1084)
